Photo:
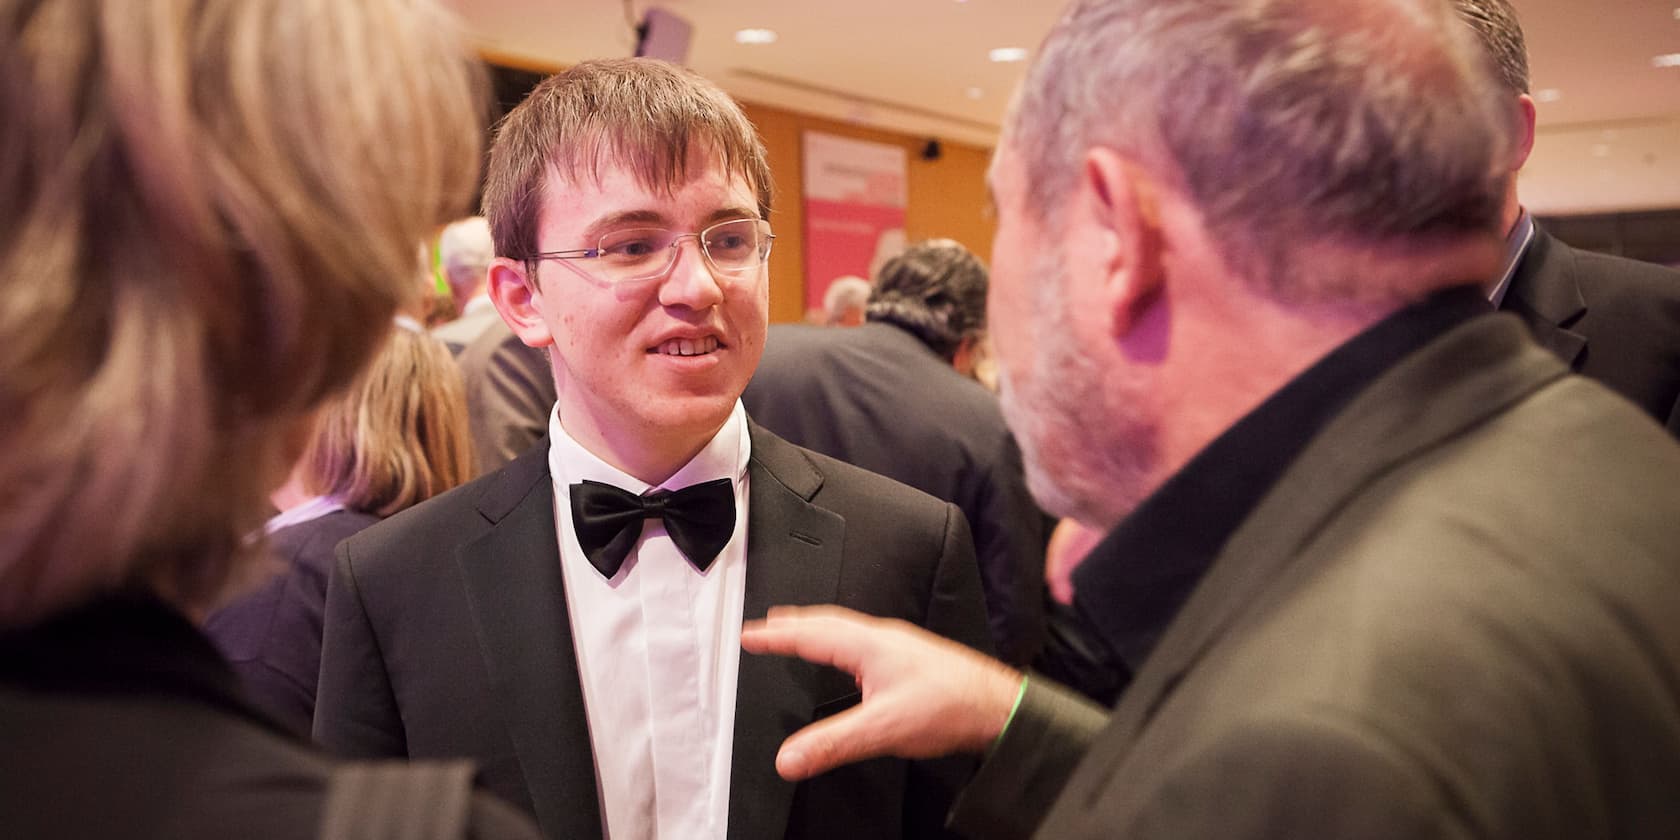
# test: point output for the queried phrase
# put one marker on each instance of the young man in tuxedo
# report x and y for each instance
(572, 620)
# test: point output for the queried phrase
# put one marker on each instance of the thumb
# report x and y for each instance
(827, 744)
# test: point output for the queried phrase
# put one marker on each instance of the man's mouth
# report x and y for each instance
(687, 346)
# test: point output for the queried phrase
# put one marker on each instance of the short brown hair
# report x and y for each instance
(935, 290)
(1501, 37)
(398, 436)
(646, 115)
(209, 216)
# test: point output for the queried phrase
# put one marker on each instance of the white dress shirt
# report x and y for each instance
(658, 646)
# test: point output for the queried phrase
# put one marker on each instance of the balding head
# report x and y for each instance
(1291, 124)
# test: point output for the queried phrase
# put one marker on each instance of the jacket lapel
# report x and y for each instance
(1545, 293)
(1477, 370)
(518, 601)
(793, 557)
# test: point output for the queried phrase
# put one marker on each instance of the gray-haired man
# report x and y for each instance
(1415, 578)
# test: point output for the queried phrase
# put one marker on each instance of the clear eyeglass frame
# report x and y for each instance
(628, 255)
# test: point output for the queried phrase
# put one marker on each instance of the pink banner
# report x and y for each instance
(855, 194)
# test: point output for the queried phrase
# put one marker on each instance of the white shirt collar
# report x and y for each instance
(301, 512)
(1516, 244)
(724, 456)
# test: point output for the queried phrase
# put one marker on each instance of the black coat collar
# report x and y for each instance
(126, 644)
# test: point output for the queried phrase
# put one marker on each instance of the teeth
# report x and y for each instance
(689, 347)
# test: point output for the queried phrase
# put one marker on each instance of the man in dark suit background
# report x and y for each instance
(893, 397)
(1613, 319)
(571, 620)
(510, 392)
(1384, 567)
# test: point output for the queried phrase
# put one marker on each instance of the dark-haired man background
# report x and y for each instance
(894, 396)
(1613, 319)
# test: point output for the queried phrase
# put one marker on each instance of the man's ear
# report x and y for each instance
(1526, 118)
(513, 291)
(1120, 202)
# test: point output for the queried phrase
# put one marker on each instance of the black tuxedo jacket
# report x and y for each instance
(877, 397)
(1611, 319)
(447, 636)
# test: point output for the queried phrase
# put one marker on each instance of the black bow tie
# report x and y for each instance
(699, 518)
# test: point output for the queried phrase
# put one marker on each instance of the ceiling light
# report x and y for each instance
(1668, 60)
(755, 36)
(1008, 54)
(1677, 14)
(975, 93)
(1548, 95)
(1601, 150)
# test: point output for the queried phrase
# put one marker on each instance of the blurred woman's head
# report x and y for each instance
(398, 437)
(207, 221)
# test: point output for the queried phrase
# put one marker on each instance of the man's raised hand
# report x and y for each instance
(923, 695)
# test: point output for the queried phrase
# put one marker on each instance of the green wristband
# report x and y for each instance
(1019, 695)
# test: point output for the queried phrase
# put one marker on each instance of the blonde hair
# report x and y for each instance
(209, 216)
(399, 436)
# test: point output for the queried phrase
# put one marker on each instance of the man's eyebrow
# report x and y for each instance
(622, 219)
(729, 213)
(656, 218)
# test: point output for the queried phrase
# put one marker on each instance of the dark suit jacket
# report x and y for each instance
(510, 392)
(877, 397)
(272, 634)
(1454, 616)
(447, 635)
(118, 720)
(1612, 319)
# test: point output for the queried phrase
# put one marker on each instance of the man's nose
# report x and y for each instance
(691, 281)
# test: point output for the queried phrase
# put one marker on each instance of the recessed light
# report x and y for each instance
(755, 36)
(1677, 14)
(975, 93)
(1548, 95)
(1601, 150)
(1668, 60)
(1008, 54)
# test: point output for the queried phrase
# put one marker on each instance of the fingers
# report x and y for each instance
(826, 635)
(827, 744)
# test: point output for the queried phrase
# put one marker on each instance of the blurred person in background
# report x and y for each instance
(464, 255)
(1613, 319)
(197, 248)
(845, 301)
(510, 392)
(895, 396)
(396, 438)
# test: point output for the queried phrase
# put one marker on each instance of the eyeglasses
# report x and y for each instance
(631, 254)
